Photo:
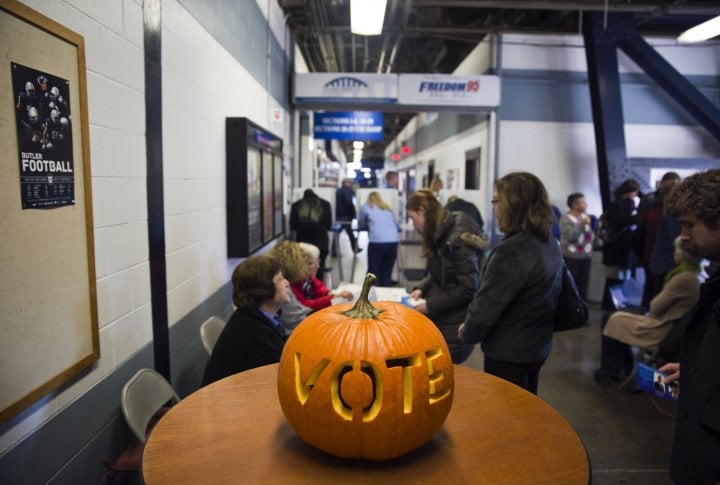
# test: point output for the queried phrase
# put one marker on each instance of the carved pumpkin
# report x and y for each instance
(366, 382)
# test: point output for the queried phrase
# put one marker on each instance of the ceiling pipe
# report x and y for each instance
(596, 5)
(398, 40)
(390, 21)
(319, 23)
(660, 11)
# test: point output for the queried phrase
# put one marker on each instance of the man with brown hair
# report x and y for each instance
(696, 447)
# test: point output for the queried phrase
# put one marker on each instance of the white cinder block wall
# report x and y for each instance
(202, 85)
(113, 33)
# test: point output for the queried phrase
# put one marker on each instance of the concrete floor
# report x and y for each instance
(628, 436)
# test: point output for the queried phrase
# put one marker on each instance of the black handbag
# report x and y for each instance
(571, 312)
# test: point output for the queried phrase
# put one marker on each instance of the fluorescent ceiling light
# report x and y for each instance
(704, 31)
(367, 16)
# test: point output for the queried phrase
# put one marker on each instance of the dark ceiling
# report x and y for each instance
(434, 36)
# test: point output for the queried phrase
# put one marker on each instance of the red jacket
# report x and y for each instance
(320, 298)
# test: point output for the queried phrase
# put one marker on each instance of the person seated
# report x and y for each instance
(679, 294)
(253, 336)
(310, 291)
(293, 264)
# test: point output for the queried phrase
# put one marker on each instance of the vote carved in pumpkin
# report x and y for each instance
(373, 382)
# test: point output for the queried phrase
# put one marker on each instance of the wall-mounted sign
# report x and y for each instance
(348, 125)
(434, 91)
(345, 88)
(447, 90)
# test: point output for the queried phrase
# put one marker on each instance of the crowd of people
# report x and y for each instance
(505, 298)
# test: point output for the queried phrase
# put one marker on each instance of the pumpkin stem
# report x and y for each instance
(363, 308)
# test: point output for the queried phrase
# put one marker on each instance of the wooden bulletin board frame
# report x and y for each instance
(48, 308)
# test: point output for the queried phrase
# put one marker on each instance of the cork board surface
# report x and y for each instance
(48, 310)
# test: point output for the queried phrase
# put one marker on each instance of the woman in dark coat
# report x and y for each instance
(253, 336)
(512, 312)
(453, 266)
(619, 228)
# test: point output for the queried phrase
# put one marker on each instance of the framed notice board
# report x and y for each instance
(253, 186)
(48, 309)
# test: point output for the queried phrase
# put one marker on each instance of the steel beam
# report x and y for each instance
(674, 83)
(605, 98)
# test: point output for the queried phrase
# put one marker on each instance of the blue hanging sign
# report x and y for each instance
(349, 125)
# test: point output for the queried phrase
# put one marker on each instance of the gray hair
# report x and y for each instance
(310, 250)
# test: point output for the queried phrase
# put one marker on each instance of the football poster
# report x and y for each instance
(44, 133)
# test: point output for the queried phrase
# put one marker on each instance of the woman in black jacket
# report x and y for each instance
(253, 336)
(512, 312)
(619, 228)
(450, 244)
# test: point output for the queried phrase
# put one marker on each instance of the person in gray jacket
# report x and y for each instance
(452, 246)
(512, 313)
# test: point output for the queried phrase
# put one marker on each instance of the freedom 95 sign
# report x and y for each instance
(431, 89)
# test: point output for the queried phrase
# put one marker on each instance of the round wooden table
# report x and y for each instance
(233, 431)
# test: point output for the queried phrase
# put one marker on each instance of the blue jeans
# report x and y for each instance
(381, 260)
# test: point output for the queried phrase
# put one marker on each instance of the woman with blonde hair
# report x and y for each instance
(310, 291)
(453, 266)
(512, 312)
(377, 217)
(293, 264)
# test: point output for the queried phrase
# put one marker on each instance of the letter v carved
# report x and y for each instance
(303, 389)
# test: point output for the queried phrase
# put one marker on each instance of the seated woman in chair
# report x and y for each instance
(309, 290)
(293, 264)
(253, 336)
(679, 294)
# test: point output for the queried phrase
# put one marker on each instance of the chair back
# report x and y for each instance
(142, 396)
(210, 331)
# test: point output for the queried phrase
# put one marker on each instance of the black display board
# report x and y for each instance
(253, 186)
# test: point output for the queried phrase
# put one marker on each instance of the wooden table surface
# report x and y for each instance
(233, 431)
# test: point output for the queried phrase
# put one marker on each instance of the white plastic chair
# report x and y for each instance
(210, 331)
(142, 396)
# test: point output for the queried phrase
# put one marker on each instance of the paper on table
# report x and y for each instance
(355, 289)
(412, 302)
(377, 293)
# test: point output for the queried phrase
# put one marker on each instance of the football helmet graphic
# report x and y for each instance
(33, 115)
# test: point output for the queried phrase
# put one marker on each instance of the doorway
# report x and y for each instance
(472, 169)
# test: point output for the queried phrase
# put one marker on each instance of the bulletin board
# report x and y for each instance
(254, 186)
(48, 308)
